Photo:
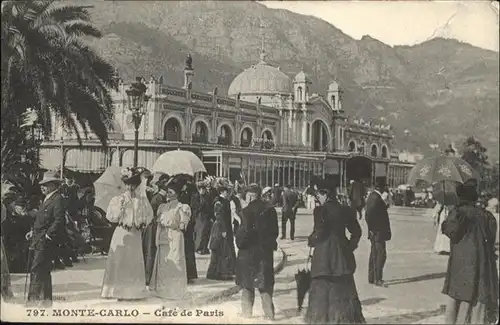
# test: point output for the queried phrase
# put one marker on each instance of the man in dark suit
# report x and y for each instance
(379, 231)
(357, 192)
(288, 211)
(49, 222)
(256, 240)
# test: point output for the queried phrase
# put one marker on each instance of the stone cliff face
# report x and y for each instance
(440, 87)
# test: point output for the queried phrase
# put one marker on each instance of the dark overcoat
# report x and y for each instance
(290, 199)
(202, 213)
(472, 271)
(49, 221)
(377, 218)
(333, 251)
(256, 241)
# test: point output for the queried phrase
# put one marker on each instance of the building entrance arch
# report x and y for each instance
(360, 168)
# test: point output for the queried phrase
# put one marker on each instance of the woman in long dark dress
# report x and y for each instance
(333, 297)
(189, 247)
(223, 258)
(471, 281)
(201, 205)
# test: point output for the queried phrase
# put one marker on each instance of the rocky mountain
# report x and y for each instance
(440, 90)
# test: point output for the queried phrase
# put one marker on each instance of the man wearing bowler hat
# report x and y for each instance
(379, 232)
(256, 241)
(49, 222)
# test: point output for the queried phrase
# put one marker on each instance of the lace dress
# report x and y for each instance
(169, 278)
(124, 277)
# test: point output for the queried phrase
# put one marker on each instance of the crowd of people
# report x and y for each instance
(162, 221)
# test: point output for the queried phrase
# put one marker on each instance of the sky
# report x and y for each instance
(406, 22)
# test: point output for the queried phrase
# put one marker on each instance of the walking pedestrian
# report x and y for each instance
(471, 281)
(442, 242)
(201, 206)
(357, 193)
(124, 276)
(379, 232)
(48, 226)
(223, 256)
(333, 297)
(256, 241)
(289, 211)
(170, 279)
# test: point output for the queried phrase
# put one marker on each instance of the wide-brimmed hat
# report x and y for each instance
(467, 192)
(162, 182)
(131, 175)
(50, 176)
(144, 172)
(254, 188)
(266, 190)
(221, 184)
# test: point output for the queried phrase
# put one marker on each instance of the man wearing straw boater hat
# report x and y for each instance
(49, 220)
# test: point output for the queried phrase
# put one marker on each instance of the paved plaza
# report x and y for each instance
(414, 274)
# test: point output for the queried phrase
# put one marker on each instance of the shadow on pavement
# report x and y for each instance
(406, 318)
(282, 292)
(301, 263)
(419, 278)
(288, 279)
(371, 301)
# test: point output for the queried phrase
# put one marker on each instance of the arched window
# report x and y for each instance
(267, 140)
(299, 93)
(320, 139)
(172, 130)
(225, 136)
(374, 150)
(246, 137)
(384, 152)
(333, 101)
(200, 134)
(361, 148)
(352, 146)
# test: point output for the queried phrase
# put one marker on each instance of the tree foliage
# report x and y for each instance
(476, 155)
(47, 66)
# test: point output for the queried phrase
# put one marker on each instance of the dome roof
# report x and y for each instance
(302, 77)
(261, 78)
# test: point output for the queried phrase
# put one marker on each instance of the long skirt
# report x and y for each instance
(334, 300)
(124, 277)
(202, 234)
(442, 242)
(169, 280)
(462, 312)
(222, 261)
(149, 249)
(189, 252)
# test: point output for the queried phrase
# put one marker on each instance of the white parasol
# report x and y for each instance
(178, 162)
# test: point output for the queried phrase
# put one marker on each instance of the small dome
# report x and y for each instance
(334, 86)
(260, 79)
(302, 77)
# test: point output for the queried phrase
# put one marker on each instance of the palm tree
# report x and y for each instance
(47, 66)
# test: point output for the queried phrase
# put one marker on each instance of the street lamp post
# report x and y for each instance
(137, 102)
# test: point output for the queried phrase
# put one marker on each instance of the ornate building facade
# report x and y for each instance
(269, 129)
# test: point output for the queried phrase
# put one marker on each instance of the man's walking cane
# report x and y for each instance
(28, 271)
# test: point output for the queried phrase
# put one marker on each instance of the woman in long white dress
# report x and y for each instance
(169, 277)
(124, 277)
(442, 242)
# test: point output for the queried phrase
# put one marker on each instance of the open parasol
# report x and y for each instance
(303, 281)
(179, 162)
(443, 169)
(108, 186)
